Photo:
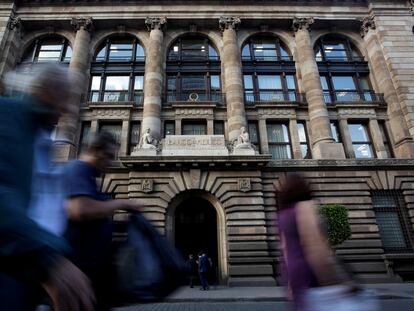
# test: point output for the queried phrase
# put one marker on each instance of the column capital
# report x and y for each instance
(411, 5)
(368, 23)
(228, 22)
(302, 23)
(84, 23)
(15, 22)
(157, 23)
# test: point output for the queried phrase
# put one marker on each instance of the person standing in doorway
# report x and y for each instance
(202, 270)
(192, 268)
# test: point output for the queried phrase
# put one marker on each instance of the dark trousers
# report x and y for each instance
(203, 280)
(18, 296)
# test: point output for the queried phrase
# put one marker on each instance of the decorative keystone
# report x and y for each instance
(368, 23)
(157, 23)
(81, 23)
(244, 184)
(226, 22)
(302, 23)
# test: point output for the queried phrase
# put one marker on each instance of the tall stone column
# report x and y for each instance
(403, 142)
(323, 144)
(65, 147)
(231, 61)
(346, 138)
(153, 77)
(377, 139)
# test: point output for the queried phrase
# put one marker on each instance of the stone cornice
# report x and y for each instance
(156, 23)
(411, 5)
(228, 22)
(302, 23)
(368, 23)
(81, 23)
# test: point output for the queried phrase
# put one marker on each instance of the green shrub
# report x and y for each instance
(335, 218)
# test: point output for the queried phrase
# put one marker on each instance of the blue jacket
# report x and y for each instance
(26, 251)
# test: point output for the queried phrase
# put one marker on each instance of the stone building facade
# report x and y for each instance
(325, 88)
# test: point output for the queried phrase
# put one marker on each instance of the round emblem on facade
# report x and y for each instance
(193, 97)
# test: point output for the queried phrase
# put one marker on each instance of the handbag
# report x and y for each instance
(147, 267)
(340, 298)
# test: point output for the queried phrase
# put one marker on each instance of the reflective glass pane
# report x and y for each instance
(246, 52)
(193, 43)
(335, 55)
(68, 53)
(171, 83)
(284, 54)
(140, 54)
(169, 128)
(193, 82)
(219, 128)
(334, 46)
(290, 81)
(358, 133)
(120, 54)
(118, 83)
(212, 54)
(302, 133)
(215, 83)
(121, 46)
(194, 129)
(253, 132)
(335, 132)
(193, 54)
(304, 150)
(280, 151)
(390, 229)
(363, 82)
(101, 55)
(318, 55)
(139, 83)
(134, 134)
(362, 150)
(343, 83)
(51, 47)
(248, 82)
(96, 83)
(84, 137)
(49, 55)
(269, 82)
(324, 83)
(277, 133)
(115, 130)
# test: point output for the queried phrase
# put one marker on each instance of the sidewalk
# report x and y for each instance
(221, 293)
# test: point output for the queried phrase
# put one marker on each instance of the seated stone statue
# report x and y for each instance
(147, 141)
(243, 141)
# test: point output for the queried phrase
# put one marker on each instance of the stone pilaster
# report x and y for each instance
(79, 67)
(323, 145)
(264, 143)
(10, 39)
(294, 137)
(210, 127)
(153, 77)
(231, 61)
(377, 139)
(403, 142)
(123, 148)
(346, 138)
(177, 126)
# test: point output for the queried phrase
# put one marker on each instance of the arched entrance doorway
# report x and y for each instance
(196, 230)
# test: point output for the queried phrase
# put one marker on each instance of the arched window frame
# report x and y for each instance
(31, 55)
(344, 79)
(105, 68)
(351, 53)
(281, 52)
(281, 68)
(182, 71)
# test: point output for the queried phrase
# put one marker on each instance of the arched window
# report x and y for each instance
(336, 48)
(344, 73)
(265, 48)
(117, 71)
(193, 70)
(48, 49)
(269, 71)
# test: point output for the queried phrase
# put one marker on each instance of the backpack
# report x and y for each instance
(147, 267)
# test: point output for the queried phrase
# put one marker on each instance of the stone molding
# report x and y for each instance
(368, 23)
(302, 23)
(84, 23)
(359, 112)
(228, 22)
(111, 113)
(411, 5)
(374, 163)
(200, 112)
(15, 22)
(156, 23)
(277, 112)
